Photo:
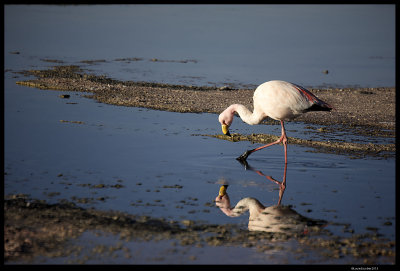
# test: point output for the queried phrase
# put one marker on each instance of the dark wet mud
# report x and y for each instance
(34, 227)
(364, 111)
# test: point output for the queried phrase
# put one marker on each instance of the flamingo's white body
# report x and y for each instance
(278, 100)
(269, 219)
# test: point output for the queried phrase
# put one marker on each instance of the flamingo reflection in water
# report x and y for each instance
(277, 218)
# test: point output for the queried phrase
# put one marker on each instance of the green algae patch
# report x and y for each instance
(355, 150)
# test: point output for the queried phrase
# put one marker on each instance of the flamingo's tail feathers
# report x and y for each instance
(317, 105)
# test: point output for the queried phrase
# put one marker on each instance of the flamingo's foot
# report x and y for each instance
(244, 156)
(244, 163)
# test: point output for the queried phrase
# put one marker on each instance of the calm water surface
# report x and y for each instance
(241, 45)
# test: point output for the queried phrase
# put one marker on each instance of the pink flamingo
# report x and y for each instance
(278, 100)
(276, 218)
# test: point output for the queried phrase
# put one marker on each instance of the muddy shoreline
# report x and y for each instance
(34, 227)
(362, 111)
(354, 150)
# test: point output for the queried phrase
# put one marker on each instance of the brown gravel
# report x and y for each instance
(364, 111)
(373, 107)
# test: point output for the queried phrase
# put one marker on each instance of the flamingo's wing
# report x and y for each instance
(318, 105)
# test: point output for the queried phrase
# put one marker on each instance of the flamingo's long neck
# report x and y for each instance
(246, 115)
(250, 204)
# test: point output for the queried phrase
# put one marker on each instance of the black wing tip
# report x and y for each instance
(317, 107)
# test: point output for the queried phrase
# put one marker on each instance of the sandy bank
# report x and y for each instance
(364, 111)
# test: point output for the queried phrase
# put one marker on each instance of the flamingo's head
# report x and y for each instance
(226, 119)
(222, 190)
(222, 200)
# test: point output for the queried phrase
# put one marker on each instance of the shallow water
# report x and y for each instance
(242, 45)
(155, 163)
(171, 252)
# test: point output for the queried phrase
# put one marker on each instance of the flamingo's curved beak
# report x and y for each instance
(225, 129)
(222, 190)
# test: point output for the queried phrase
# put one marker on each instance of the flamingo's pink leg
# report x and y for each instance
(282, 139)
